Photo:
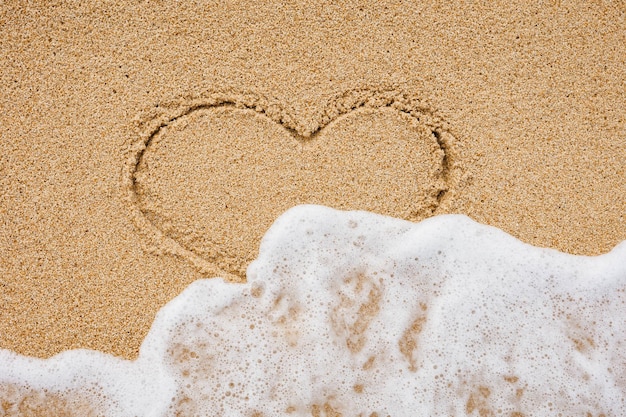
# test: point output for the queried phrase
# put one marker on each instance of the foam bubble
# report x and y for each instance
(360, 314)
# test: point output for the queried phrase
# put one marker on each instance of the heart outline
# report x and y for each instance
(149, 123)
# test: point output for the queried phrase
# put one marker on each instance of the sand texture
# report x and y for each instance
(145, 145)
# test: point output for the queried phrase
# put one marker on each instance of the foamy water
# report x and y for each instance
(364, 315)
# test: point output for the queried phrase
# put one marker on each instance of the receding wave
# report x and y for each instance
(356, 314)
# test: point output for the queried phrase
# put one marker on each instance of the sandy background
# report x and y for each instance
(533, 94)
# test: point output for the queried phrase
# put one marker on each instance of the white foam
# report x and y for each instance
(362, 314)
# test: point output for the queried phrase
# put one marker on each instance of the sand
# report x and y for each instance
(145, 146)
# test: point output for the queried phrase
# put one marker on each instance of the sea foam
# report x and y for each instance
(358, 314)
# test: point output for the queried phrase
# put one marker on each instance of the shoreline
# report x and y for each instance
(533, 97)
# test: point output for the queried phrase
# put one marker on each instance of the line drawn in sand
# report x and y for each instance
(205, 177)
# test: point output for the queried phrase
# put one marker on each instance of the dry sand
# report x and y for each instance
(144, 146)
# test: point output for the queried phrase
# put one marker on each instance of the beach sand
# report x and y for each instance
(144, 146)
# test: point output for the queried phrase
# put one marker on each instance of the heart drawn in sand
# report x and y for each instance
(206, 177)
